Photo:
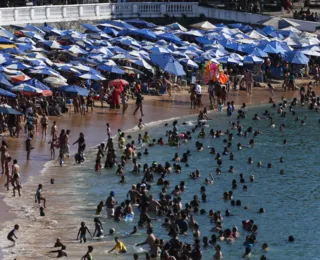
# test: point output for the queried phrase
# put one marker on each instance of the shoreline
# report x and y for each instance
(176, 106)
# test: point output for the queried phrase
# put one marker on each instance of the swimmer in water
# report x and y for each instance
(88, 255)
(61, 252)
(82, 232)
(119, 245)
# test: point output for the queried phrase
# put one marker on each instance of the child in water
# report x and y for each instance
(141, 124)
(82, 232)
(12, 234)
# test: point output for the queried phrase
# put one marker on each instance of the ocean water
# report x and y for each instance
(290, 200)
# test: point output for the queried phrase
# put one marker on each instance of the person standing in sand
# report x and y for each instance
(54, 130)
(139, 103)
(16, 178)
(3, 150)
(44, 125)
(7, 170)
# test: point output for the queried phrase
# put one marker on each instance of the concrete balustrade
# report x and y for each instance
(60, 13)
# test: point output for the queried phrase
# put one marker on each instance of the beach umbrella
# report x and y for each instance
(5, 40)
(91, 77)
(6, 34)
(177, 26)
(251, 59)
(75, 49)
(44, 71)
(55, 81)
(33, 35)
(118, 82)
(189, 63)
(158, 49)
(23, 87)
(51, 30)
(52, 44)
(205, 40)
(296, 57)
(142, 63)
(66, 68)
(231, 60)
(170, 38)
(5, 109)
(37, 84)
(203, 26)
(140, 23)
(279, 22)
(6, 93)
(128, 41)
(111, 69)
(4, 81)
(310, 53)
(168, 63)
(269, 49)
(145, 33)
(18, 66)
(195, 33)
(73, 89)
(91, 27)
(130, 70)
(259, 53)
(109, 30)
(12, 51)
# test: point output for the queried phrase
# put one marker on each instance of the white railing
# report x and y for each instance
(60, 13)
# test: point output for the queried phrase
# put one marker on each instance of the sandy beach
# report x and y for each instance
(93, 126)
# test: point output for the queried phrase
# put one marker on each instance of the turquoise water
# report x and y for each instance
(290, 200)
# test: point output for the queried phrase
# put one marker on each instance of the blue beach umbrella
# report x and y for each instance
(168, 63)
(6, 93)
(177, 26)
(259, 53)
(296, 57)
(6, 34)
(18, 66)
(37, 84)
(145, 33)
(7, 109)
(170, 38)
(90, 76)
(91, 27)
(4, 81)
(75, 90)
(189, 63)
(112, 69)
(250, 59)
(5, 40)
(23, 87)
(204, 40)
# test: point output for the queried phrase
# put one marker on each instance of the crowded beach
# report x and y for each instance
(47, 74)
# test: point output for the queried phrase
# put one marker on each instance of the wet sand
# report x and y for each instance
(93, 127)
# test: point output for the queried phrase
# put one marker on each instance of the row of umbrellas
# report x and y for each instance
(25, 65)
